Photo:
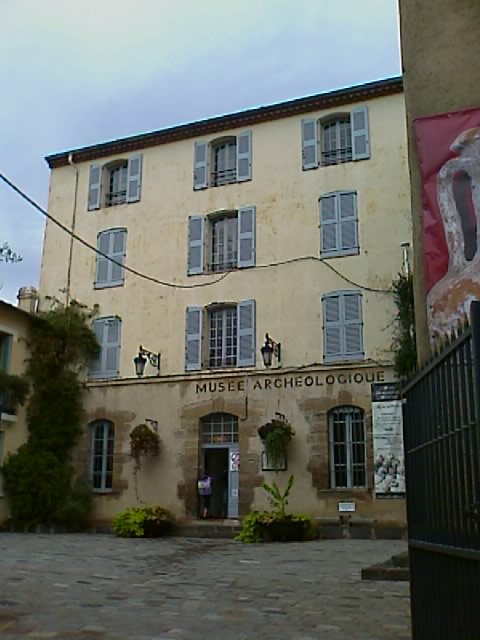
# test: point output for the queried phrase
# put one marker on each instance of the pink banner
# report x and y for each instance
(448, 148)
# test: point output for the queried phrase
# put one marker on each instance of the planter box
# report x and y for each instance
(285, 531)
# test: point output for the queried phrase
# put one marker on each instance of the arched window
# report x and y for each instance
(336, 140)
(219, 428)
(101, 455)
(224, 161)
(116, 183)
(346, 433)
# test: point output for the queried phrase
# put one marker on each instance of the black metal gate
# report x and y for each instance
(442, 452)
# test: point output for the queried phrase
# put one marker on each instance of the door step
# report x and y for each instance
(209, 528)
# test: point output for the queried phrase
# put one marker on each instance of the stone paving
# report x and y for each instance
(97, 587)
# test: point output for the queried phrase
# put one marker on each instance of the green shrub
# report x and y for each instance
(36, 483)
(265, 526)
(74, 513)
(143, 522)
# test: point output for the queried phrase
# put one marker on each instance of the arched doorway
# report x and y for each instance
(221, 458)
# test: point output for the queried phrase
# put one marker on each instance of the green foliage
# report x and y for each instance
(143, 522)
(74, 512)
(279, 500)
(260, 526)
(144, 442)
(38, 477)
(36, 483)
(8, 255)
(276, 435)
(13, 389)
(404, 343)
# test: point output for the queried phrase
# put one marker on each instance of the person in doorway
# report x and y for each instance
(205, 489)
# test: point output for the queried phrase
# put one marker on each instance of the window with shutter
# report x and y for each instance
(347, 448)
(225, 160)
(309, 144)
(112, 244)
(108, 334)
(342, 326)
(115, 183)
(196, 225)
(193, 339)
(360, 134)
(102, 435)
(338, 224)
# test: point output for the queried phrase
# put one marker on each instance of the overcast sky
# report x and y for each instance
(78, 72)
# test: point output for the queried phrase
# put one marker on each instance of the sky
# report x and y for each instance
(79, 72)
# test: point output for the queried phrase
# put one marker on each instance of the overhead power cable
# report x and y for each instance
(174, 285)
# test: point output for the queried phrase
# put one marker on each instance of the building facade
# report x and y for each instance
(14, 331)
(284, 220)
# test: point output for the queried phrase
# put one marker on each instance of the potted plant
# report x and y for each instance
(143, 442)
(276, 436)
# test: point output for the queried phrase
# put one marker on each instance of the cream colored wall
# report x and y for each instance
(15, 323)
(175, 404)
(289, 296)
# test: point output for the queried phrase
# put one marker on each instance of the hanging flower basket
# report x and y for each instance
(144, 442)
(275, 436)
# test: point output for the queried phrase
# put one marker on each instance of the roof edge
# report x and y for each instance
(256, 115)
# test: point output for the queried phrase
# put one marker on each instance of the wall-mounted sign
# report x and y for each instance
(387, 428)
(234, 460)
(346, 507)
(292, 382)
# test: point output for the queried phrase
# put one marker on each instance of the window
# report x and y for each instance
(336, 140)
(106, 364)
(342, 138)
(115, 183)
(338, 224)
(346, 430)
(223, 161)
(101, 455)
(342, 326)
(221, 241)
(6, 341)
(219, 428)
(113, 244)
(229, 334)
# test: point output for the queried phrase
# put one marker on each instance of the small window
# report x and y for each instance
(338, 224)
(6, 340)
(221, 241)
(342, 326)
(229, 336)
(106, 364)
(222, 342)
(101, 455)
(222, 161)
(336, 139)
(348, 466)
(219, 428)
(115, 183)
(112, 243)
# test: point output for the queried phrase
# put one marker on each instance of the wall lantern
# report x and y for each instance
(144, 356)
(270, 350)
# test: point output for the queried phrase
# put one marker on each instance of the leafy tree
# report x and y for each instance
(7, 255)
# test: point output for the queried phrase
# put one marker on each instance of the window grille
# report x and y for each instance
(347, 448)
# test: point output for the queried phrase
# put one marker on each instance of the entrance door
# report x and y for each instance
(221, 458)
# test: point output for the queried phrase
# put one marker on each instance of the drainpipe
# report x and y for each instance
(74, 214)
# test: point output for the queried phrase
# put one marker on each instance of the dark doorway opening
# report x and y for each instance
(215, 461)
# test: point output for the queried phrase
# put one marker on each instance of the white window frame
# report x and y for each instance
(336, 127)
(347, 414)
(106, 456)
(226, 314)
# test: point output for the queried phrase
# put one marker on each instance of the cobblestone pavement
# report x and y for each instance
(97, 587)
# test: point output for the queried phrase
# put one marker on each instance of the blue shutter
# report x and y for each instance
(107, 332)
(328, 224)
(193, 339)
(352, 319)
(111, 348)
(102, 268)
(347, 208)
(134, 178)
(244, 156)
(332, 328)
(246, 237)
(200, 165)
(94, 187)
(309, 144)
(118, 244)
(360, 135)
(196, 226)
(246, 356)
